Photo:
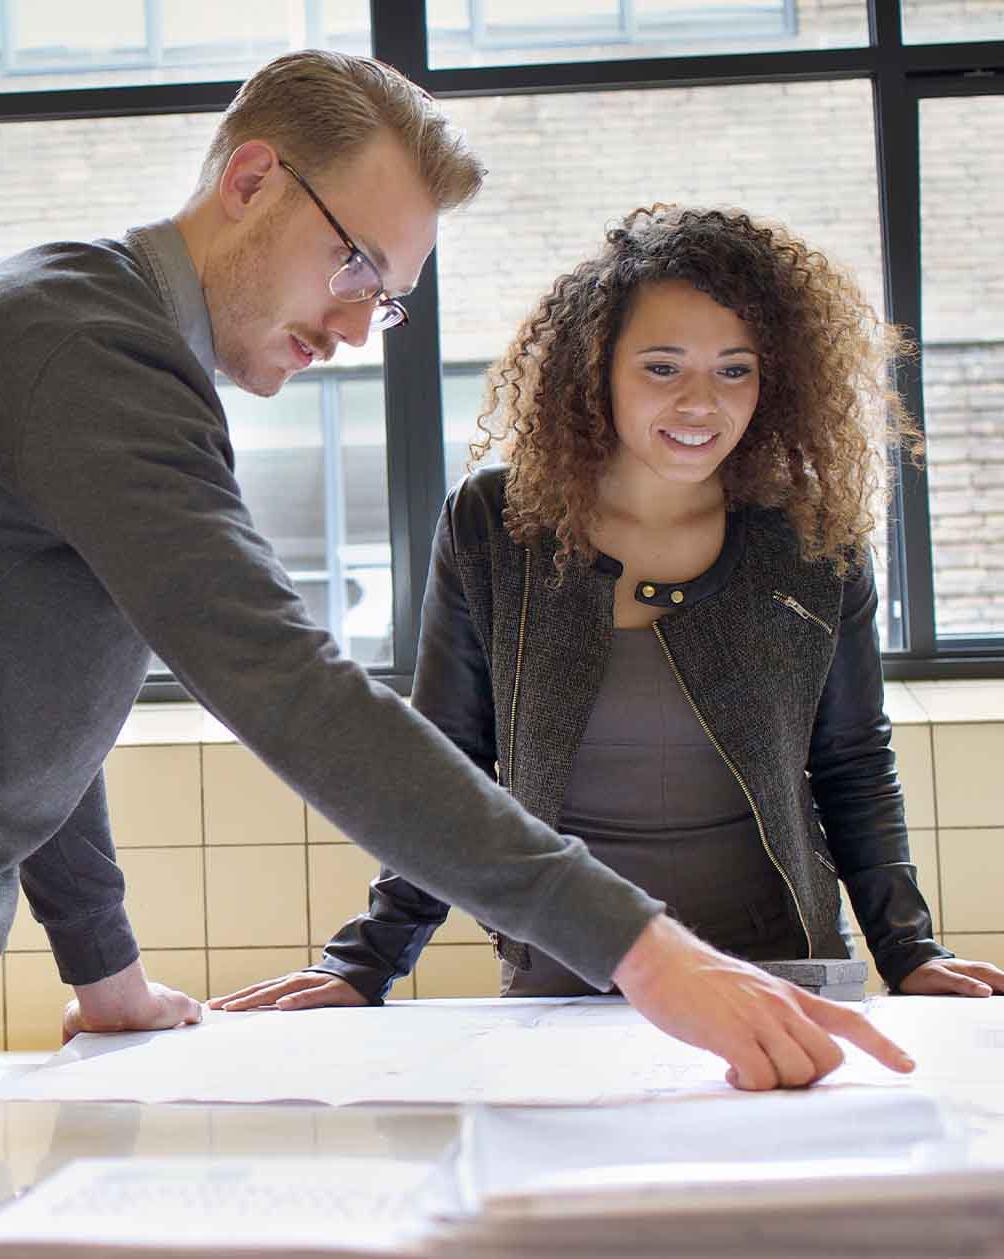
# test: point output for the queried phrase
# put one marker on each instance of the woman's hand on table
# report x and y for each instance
(953, 976)
(770, 1032)
(127, 1002)
(300, 990)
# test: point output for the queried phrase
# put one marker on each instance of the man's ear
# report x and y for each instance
(252, 166)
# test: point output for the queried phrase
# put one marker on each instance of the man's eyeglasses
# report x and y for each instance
(357, 279)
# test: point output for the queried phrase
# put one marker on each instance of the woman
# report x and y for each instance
(656, 623)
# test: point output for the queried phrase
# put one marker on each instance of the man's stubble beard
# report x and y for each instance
(237, 286)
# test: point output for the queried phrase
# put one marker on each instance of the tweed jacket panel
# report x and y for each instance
(755, 669)
(778, 656)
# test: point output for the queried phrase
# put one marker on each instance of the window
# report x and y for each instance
(506, 32)
(951, 21)
(962, 244)
(873, 127)
(760, 150)
(105, 42)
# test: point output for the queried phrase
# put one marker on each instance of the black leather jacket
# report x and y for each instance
(778, 656)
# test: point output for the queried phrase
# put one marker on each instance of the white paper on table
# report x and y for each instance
(838, 1131)
(270, 1206)
(583, 1051)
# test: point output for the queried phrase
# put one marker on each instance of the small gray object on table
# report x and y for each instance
(838, 978)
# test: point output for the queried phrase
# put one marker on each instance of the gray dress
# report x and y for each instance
(654, 800)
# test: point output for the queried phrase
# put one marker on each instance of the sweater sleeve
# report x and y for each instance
(76, 891)
(137, 476)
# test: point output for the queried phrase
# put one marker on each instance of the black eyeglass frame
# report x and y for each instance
(387, 306)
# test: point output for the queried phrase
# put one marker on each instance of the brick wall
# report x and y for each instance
(562, 166)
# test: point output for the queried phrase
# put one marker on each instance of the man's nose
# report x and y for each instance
(350, 321)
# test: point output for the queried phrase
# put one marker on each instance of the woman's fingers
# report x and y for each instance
(268, 991)
(954, 976)
(335, 992)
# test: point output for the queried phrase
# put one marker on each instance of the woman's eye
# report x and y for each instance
(660, 369)
(736, 371)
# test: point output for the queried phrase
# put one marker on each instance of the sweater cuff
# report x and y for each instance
(617, 911)
(92, 948)
(367, 982)
(896, 963)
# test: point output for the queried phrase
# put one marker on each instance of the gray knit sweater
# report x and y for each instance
(122, 528)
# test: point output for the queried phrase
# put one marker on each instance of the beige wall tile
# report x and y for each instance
(970, 792)
(230, 969)
(25, 934)
(164, 896)
(256, 896)
(403, 989)
(923, 850)
(977, 948)
(460, 928)
(245, 803)
(321, 831)
(912, 745)
(961, 699)
(155, 796)
(184, 969)
(339, 884)
(902, 707)
(35, 1001)
(873, 984)
(457, 970)
(972, 879)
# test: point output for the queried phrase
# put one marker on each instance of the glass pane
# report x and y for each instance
(312, 463)
(952, 21)
(63, 43)
(511, 32)
(312, 460)
(801, 153)
(962, 241)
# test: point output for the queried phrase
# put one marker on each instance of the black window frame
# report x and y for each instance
(901, 75)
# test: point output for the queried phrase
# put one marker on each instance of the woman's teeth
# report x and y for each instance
(690, 439)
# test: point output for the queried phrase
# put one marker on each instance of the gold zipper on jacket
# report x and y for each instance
(739, 779)
(519, 665)
(789, 601)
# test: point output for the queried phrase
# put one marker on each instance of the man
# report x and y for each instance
(122, 529)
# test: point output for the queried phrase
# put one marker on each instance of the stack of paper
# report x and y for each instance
(229, 1208)
(836, 1172)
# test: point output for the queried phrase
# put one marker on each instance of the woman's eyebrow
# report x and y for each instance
(679, 349)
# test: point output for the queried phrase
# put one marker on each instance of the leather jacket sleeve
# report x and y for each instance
(852, 769)
(453, 689)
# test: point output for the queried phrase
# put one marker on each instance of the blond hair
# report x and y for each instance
(319, 107)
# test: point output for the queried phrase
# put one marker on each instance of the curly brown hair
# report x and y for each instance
(826, 414)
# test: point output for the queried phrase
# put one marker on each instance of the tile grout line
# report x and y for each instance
(205, 870)
(937, 834)
(306, 880)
